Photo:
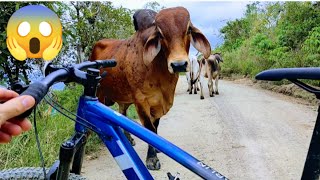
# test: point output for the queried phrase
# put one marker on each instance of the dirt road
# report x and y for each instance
(243, 133)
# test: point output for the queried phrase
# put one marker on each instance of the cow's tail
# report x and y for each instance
(194, 81)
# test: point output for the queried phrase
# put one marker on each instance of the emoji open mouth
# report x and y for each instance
(34, 45)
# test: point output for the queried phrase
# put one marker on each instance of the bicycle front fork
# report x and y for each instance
(71, 152)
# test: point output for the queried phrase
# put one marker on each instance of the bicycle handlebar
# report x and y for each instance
(67, 74)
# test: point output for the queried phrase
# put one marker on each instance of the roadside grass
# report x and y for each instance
(53, 128)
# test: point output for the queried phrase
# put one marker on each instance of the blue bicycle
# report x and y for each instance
(108, 124)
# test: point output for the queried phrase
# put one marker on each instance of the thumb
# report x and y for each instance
(15, 107)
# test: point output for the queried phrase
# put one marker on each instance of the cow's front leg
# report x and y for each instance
(156, 124)
(152, 161)
(201, 86)
(216, 83)
(195, 87)
(210, 85)
(190, 86)
(123, 110)
(198, 89)
(188, 80)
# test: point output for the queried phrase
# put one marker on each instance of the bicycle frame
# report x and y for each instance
(107, 122)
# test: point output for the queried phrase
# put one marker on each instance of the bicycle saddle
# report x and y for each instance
(312, 73)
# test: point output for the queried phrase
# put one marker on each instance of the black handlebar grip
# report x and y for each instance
(108, 63)
(37, 90)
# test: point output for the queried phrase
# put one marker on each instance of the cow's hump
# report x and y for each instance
(143, 19)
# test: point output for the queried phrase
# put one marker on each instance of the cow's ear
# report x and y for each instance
(199, 41)
(151, 48)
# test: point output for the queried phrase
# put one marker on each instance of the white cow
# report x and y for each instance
(193, 75)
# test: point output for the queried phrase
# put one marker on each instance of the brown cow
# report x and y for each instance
(147, 68)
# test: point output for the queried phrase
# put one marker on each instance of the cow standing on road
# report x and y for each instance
(193, 75)
(210, 68)
(148, 66)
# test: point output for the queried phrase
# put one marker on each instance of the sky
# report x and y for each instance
(208, 16)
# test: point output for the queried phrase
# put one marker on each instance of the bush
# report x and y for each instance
(311, 48)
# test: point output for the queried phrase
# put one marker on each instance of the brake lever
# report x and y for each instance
(49, 68)
(18, 87)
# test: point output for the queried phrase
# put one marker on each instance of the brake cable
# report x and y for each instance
(38, 143)
(56, 106)
(59, 108)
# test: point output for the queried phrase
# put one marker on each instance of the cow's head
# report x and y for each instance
(218, 57)
(172, 33)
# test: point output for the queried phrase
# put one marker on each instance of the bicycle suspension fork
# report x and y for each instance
(71, 153)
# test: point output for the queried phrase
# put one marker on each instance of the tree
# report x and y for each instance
(235, 32)
(98, 20)
(272, 35)
(297, 19)
(153, 6)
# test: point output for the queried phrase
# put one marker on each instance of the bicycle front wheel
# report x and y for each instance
(30, 173)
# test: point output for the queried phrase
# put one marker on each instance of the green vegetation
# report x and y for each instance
(272, 35)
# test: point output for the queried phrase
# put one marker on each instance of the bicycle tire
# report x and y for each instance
(30, 173)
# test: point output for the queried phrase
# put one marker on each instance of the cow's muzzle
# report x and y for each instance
(179, 66)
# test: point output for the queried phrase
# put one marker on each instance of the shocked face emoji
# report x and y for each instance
(34, 31)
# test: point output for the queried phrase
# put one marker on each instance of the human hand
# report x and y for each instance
(12, 106)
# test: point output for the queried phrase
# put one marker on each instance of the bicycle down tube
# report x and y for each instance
(109, 123)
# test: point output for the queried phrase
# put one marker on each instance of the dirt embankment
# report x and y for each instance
(288, 89)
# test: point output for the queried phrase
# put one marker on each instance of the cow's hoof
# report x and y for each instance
(195, 92)
(153, 163)
(211, 95)
(217, 93)
(201, 97)
(131, 140)
(198, 89)
(190, 92)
